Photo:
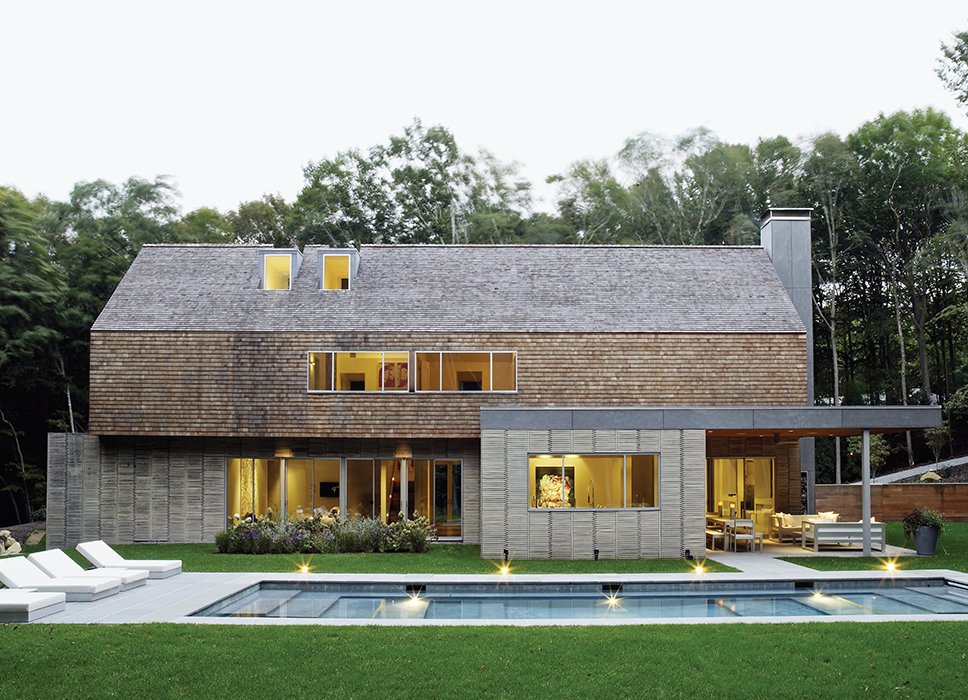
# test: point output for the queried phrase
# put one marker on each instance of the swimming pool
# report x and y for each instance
(589, 601)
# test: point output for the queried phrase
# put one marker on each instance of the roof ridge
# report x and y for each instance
(631, 246)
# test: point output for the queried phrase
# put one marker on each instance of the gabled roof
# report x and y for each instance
(443, 288)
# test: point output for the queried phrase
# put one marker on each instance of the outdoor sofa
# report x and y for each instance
(818, 533)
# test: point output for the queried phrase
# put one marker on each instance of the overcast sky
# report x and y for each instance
(233, 99)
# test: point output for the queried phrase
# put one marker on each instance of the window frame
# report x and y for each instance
(440, 377)
(332, 377)
(349, 273)
(625, 467)
(265, 265)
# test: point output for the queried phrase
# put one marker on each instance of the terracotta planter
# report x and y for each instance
(926, 540)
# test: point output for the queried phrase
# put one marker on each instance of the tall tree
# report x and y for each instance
(829, 172)
(263, 220)
(31, 297)
(953, 67)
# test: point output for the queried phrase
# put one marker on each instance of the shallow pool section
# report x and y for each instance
(591, 601)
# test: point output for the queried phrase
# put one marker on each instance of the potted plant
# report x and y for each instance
(925, 525)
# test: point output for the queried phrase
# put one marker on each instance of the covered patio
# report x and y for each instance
(794, 424)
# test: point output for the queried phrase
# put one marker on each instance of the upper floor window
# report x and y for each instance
(336, 272)
(466, 371)
(278, 272)
(359, 371)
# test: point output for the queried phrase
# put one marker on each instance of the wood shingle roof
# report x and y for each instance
(559, 288)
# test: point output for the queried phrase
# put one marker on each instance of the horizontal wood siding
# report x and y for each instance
(894, 501)
(509, 524)
(254, 384)
(149, 489)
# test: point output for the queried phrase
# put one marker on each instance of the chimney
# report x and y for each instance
(785, 236)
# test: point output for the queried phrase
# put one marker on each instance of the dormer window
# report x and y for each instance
(336, 272)
(278, 272)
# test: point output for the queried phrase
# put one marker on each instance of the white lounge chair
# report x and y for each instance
(56, 563)
(18, 605)
(102, 556)
(18, 572)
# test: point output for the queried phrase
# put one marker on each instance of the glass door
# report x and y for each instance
(447, 498)
(360, 489)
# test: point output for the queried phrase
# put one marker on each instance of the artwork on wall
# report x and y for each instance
(394, 375)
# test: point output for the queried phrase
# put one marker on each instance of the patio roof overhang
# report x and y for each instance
(790, 422)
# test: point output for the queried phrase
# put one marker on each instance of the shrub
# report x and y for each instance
(323, 532)
(922, 517)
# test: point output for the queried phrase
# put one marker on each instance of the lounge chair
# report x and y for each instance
(102, 556)
(56, 563)
(19, 572)
(18, 605)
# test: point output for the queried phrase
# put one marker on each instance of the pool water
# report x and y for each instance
(587, 601)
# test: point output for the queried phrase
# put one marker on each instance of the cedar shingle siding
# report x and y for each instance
(254, 384)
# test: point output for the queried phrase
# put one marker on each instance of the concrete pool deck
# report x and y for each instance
(176, 598)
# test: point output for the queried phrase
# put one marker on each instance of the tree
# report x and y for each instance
(953, 67)
(264, 221)
(203, 225)
(829, 171)
(879, 451)
(419, 187)
(31, 297)
(936, 439)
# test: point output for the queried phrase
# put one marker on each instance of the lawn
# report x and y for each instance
(812, 660)
(441, 559)
(952, 553)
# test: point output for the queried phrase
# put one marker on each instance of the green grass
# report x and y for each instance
(952, 554)
(441, 559)
(814, 660)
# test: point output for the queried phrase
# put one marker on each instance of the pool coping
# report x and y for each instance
(174, 599)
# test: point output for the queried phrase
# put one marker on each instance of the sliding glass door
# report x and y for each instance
(435, 493)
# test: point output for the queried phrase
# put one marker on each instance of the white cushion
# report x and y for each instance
(12, 600)
(100, 554)
(56, 563)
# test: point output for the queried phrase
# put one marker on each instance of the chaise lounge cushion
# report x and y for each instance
(56, 563)
(19, 605)
(18, 572)
(102, 556)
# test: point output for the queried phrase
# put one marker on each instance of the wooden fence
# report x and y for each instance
(894, 501)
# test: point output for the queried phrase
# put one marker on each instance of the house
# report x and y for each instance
(542, 401)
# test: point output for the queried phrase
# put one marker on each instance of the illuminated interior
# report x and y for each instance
(435, 493)
(359, 371)
(253, 486)
(311, 484)
(594, 481)
(466, 371)
(336, 272)
(278, 271)
(740, 485)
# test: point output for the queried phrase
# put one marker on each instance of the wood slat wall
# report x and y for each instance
(508, 523)
(145, 489)
(254, 384)
(894, 501)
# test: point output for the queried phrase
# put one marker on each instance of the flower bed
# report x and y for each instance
(324, 532)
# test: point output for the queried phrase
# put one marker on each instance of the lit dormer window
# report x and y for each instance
(278, 272)
(336, 272)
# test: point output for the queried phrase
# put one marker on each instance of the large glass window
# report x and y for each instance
(253, 487)
(740, 485)
(359, 371)
(594, 481)
(435, 493)
(466, 371)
